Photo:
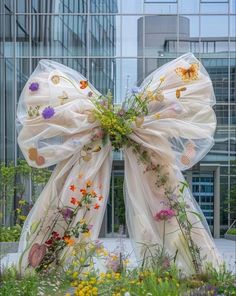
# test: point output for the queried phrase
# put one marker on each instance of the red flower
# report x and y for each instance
(74, 200)
(96, 206)
(49, 242)
(55, 234)
(72, 187)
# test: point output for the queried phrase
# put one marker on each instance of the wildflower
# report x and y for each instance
(135, 90)
(93, 193)
(87, 234)
(68, 240)
(89, 183)
(67, 213)
(164, 215)
(100, 197)
(83, 191)
(72, 187)
(157, 116)
(75, 274)
(48, 112)
(34, 86)
(96, 206)
(74, 201)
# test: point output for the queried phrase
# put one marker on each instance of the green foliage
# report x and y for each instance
(12, 184)
(10, 234)
(32, 283)
(231, 231)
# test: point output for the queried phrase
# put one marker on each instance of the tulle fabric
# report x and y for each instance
(178, 132)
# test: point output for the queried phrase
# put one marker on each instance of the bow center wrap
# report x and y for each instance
(165, 126)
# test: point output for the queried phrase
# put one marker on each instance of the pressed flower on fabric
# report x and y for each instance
(83, 84)
(34, 86)
(48, 112)
(188, 74)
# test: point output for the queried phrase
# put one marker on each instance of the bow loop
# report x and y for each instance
(181, 122)
(53, 114)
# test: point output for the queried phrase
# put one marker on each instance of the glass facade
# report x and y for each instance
(115, 44)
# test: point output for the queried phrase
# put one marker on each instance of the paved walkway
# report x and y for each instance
(226, 247)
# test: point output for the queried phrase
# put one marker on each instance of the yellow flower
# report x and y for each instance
(157, 116)
(87, 234)
(75, 274)
(67, 294)
(162, 79)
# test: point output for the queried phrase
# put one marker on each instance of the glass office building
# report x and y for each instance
(115, 44)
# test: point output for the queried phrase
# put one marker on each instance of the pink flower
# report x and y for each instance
(164, 215)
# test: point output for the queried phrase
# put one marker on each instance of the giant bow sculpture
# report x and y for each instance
(165, 126)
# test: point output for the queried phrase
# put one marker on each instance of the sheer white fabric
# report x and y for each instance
(177, 131)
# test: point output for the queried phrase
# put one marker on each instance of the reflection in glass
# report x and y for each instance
(103, 35)
(61, 35)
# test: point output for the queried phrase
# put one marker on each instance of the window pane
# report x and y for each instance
(189, 34)
(62, 35)
(104, 6)
(102, 74)
(186, 6)
(103, 35)
(131, 29)
(213, 8)
(214, 26)
(160, 8)
(22, 35)
(63, 6)
(132, 6)
(161, 34)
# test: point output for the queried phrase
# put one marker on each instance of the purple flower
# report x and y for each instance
(67, 213)
(164, 215)
(34, 86)
(48, 112)
(121, 112)
(90, 94)
(135, 90)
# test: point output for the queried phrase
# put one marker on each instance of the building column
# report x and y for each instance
(216, 231)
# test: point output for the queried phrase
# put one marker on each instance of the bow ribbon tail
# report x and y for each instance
(144, 199)
(46, 215)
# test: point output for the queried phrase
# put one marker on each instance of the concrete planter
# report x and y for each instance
(230, 236)
(8, 247)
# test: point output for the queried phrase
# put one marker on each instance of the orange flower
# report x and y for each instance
(70, 241)
(100, 198)
(93, 193)
(83, 191)
(89, 183)
(96, 206)
(72, 187)
(74, 201)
